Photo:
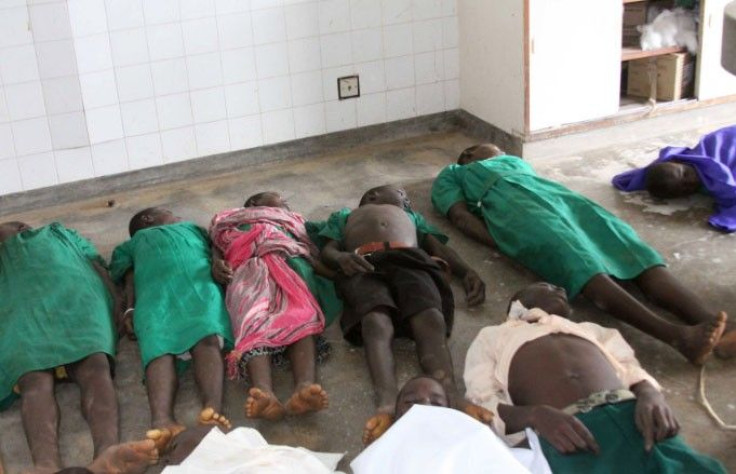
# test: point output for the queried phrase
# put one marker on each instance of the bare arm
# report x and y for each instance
(112, 288)
(127, 319)
(469, 224)
(565, 432)
(475, 289)
(348, 262)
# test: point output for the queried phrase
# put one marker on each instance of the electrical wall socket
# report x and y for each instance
(348, 87)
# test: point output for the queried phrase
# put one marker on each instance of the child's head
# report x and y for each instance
(10, 229)
(479, 152)
(267, 199)
(421, 390)
(386, 194)
(545, 296)
(151, 217)
(671, 179)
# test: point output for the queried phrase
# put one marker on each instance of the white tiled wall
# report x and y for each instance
(97, 87)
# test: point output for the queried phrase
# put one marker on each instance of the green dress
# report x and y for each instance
(322, 288)
(559, 234)
(177, 301)
(55, 308)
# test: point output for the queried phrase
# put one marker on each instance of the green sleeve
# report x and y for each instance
(424, 228)
(447, 189)
(84, 246)
(313, 231)
(122, 261)
(335, 226)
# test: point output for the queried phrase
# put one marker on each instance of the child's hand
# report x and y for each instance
(475, 289)
(352, 263)
(125, 324)
(221, 271)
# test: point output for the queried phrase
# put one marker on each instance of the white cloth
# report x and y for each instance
(440, 440)
(489, 357)
(244, 451)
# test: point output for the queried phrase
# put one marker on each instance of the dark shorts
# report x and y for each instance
(405, 282)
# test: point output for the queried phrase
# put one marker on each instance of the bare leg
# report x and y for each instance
(663, 289)
(127, 458)
(262, 402)
(378, 335)
(694, 342)
(161, 383)
(209, 372)
(308, 396)
(99, 403)
(40, 415)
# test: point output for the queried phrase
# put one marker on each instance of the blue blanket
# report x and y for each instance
(714, 158)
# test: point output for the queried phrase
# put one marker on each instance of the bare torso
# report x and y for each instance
(379, 223)
(557, 370)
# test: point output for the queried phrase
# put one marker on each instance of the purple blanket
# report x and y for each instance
(714, 158)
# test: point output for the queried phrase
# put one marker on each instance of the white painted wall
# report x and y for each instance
(492, 61)
(91, 88)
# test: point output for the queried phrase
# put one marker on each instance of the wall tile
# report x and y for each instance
(208, 105)
(336, 50)
(98, 89)
(18, 64)
(7, 149)
(144, 151)
(74, 165)
(426, 9)
(4, 114)
(245, 132)
(371, 109)
(238, 65)
(212, 138)
(14, 27)
(10, 181)
(399, 72)
(397, 40)
(170, 77)
(225, 7)
(302, 20)
(309, 120)
(452, 94)
(260, 4)
(242, 99)
(334, 16)
(272, 60)
(305, 55)
(365, 14)
(430, 98)
(452, 63)
(367, 45)
(329, 80)
(68, 130)
(269, 26)
(195, 9)
(50, 21)
(200, 36)
(274, 93)
(24, 101)
(429, 67)
(174, 111)
(88, 17)
(449, 7)
(134, 82)
(56, 59)
(204, 71)
(129, 47)
(139, 118)
(104, 124)
(165, 41)
(340, 115)
(93, 53)
(306, 89)
(426, 36)
(450, 32)
(372, 77)
(63, 94)
(161, 11)
(31, 136)
(122, 14)
(400, 104)
(235, 31)
(38, 171)
(110, 158)
(395, 11)
(179, 144)
(278, 126)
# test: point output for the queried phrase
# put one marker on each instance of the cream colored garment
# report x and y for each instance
(489, 357)
(244, 451)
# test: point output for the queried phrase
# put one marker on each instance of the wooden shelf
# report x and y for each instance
(628, 53)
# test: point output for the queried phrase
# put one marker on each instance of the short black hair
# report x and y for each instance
(252, 200)
(418, 377)
(136, 222)
(660, 180)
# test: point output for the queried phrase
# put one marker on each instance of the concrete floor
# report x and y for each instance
(703, 258)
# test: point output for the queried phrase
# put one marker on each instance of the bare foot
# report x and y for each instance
(476, 411)
(697, 342)
(376, 426)
(262, 404)
(309, 398)
(162, 437)
(209, 416)
(126, 458)
(726, 347)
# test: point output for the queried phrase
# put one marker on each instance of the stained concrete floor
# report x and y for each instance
(701, 257)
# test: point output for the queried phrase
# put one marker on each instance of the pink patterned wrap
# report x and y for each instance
(269, 304)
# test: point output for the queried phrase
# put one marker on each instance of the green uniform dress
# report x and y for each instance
(177, 301)
(559, 234)
(323, 289)
(55, 308)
